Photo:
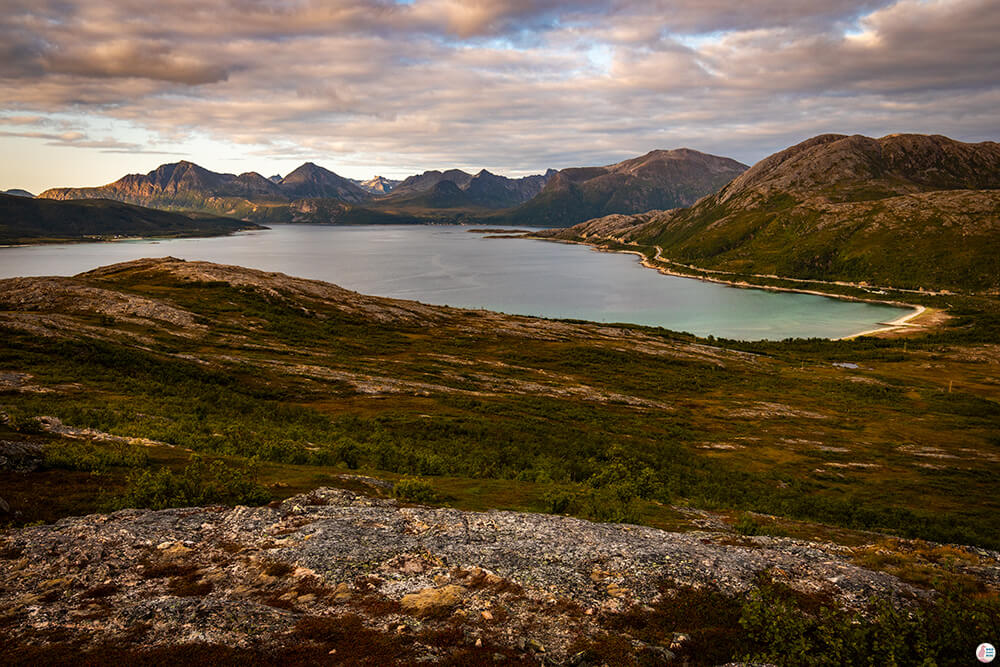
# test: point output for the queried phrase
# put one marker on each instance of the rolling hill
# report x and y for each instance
(24, 220)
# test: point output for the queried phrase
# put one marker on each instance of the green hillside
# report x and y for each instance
(909, 211)
(24, 220)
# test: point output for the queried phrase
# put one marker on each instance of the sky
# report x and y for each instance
(93, 89)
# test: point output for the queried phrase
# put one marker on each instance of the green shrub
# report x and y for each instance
(560, 501)
(199, 483)
(93, 457)
(780, 630)
(414, 490)
(24, 423)
(614, 503)
(348, 452)
(611, 505)
(747, 525)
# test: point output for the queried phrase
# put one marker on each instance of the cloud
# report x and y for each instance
(124, 58)
(77, 139)
(512, 85)
(910, 46)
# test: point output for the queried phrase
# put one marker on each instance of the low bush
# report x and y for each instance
(943, 632)
(200, 483)
(93, 457)
(414, 490)
(746, 525)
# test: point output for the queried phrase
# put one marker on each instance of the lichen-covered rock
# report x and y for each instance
(20, 456)
(433, 601)
(248, 576)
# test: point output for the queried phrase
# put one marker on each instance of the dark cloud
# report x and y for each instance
(513, 85)
(128, 58)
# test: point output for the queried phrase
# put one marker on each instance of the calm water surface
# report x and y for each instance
(451, 266)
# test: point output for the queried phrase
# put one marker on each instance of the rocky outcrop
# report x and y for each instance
(20, 455)
(65, 295)
(250, 577)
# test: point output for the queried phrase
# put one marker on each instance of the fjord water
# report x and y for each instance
(448, 265)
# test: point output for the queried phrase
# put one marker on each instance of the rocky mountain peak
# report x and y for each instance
(312, 181)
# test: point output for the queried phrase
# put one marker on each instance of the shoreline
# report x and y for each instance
(901, 323)
(896, 324)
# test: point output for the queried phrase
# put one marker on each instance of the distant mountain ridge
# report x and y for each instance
(660, 179)
(905, 210)
(456, 189)
(17, 192)
(185, 186)
(310, 193)
(178, 182)
(427, 180)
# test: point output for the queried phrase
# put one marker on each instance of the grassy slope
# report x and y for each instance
(905, 210)
(24, 220)
(907, 443)
(931, 240)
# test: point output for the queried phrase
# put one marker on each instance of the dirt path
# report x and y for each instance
(838, 283)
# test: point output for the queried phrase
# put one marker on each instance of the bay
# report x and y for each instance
(448, 265)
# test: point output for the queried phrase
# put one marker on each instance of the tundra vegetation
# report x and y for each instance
(217, 385)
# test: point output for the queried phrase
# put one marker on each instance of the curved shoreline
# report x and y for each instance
(898, 324)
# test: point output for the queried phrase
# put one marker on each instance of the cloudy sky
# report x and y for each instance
(93, 89)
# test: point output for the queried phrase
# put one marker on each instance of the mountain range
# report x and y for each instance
(462, 193)
(657, 180)
(660, 179)
(310, 194)
(907, 210)
(185, 186)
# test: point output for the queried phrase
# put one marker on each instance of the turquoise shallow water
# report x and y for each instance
(451, 266)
